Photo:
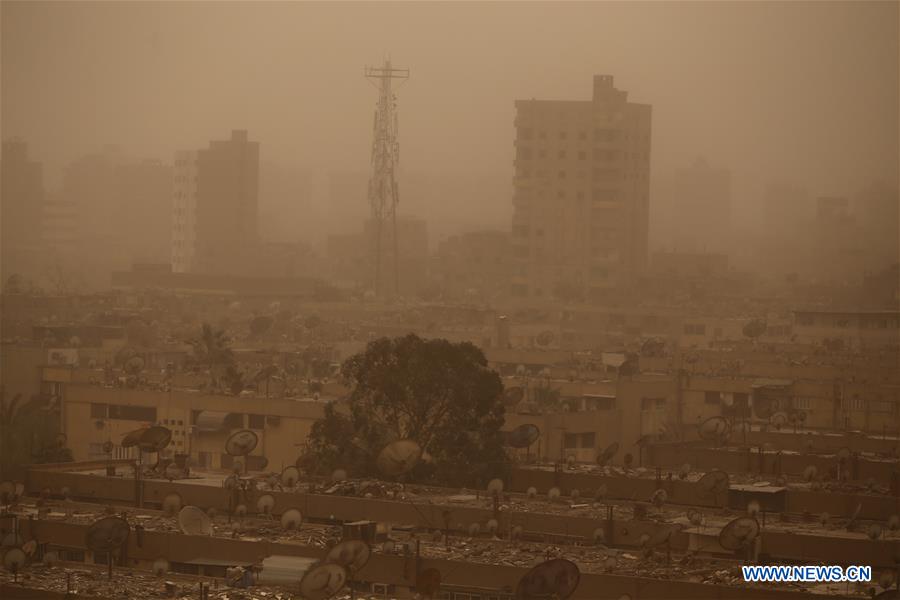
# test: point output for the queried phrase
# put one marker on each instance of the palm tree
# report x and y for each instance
(211, 351)
(8, 414)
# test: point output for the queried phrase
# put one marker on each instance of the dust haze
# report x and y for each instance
(798, 92)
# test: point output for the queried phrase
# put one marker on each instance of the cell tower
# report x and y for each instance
(383, 192)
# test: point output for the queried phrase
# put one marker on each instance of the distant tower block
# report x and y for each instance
(383, 191)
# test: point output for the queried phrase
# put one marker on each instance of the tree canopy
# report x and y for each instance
(438, 393)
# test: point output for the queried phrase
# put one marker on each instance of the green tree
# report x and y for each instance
(440, 394)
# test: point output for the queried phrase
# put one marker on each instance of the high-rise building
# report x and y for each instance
(581, 197)
(216, 206)
(21, 197)
(700, 211)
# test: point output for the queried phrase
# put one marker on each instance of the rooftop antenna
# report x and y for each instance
(265, 504)
(323, 581)
(290, 476)
(398, 458)
(193, 521)
(383, 189)
(739, 533)
(291, 519)
(555, 578)
(13, 561)
(241, 443)
(107, 535)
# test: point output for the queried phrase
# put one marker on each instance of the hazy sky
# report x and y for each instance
(803, 90)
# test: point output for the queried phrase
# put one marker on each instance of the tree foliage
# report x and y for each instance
(440, 394)
(211, 351)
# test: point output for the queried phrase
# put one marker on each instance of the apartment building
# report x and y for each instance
(581, 194)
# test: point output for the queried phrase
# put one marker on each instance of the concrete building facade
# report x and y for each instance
(215, 206)
(581, 193)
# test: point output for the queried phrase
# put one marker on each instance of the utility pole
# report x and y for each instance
(383, 189)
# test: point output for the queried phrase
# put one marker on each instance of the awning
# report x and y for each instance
(211, 420)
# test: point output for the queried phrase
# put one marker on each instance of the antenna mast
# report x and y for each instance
(383, 191)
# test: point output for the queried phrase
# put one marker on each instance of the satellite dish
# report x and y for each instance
(684, 471)
(608, 453)
(810, 472)
(661, 536)
(844, 452)
(160, 567)
(29, 547)
(714, 482)
(14, 560)
(428, 583)
(193, 521)
(714, 429)
(695, 517)
(290, 476)
(531, 492)
(492, 526)
(291, 519)
(659, 498)
(241, 443)
(323, 581)
(51, 558)
(495, 486)
(240, 510)
(8, 493)
(778, 420)
(599, 535)
(601, 492)
(557, 578)
(107, 534)
(155, 439)
(265, 504)
(874, 531)
(173, 471)
(753, 508)
(523, 436)
(739, 533)
(132, 438)
(893, 522)
(516, 532)
(351, 554)
(108, 447)
(398, 457)
(171, 504)
(554, 493)
(764, 407)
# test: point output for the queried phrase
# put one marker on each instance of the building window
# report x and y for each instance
(99, 411)
(806, 320)
(127, 412)
(571, 440)
(256, 421)
(588, 440)
(802, 403)
(653, 403)
(712, 398)
(694, 329)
